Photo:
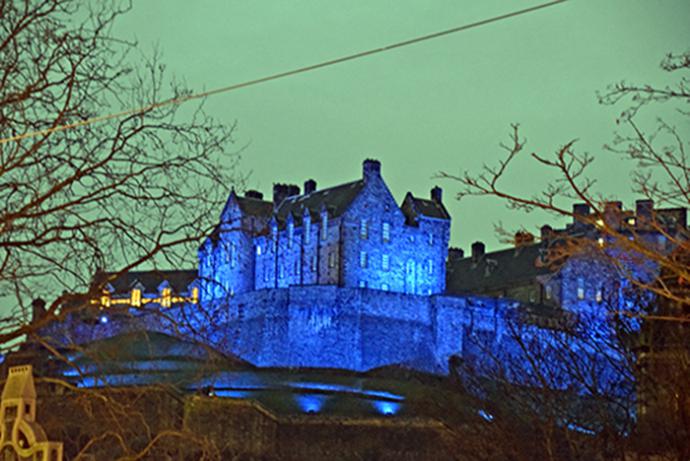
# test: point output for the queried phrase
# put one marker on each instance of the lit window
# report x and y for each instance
(195, 294)
(313, 263)
(362, 284)
(431, 238)
(430, 266)
(385, 262)
(307, 229)
(258, 250)
(136, 297)
(631, 221)
(386, 231)
(281, 271)
(331, 259)
(600, 222)
(363, 229)
(580, 288)
(384, 286)
(601, 241)
(599, 296)
(363, 259)
(166, 295)
(324, 226)
(291, 234)
(548, 291)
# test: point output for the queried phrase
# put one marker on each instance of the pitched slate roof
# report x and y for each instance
(335, 200)
(494, 271)
(255, 207)
(413, 207)
(179, 280)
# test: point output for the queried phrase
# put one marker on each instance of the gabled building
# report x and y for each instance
(351, 235)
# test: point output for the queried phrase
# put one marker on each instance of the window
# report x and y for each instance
(281, 270)
(331, 259)
(258, 250)
(136, 297)
(296, 267)
(580, 288)
(313, 263)
(548, 291)
(430, 266)
(431, 238)
(363, 229)
(167, 297)
(307, 230)
(362, 284)
(363, 259)
(291, 234)
(233, 254)
(266, 273)
(324, 226)
(599, 295)
(385, 262)
(384, 286)
(386, 231)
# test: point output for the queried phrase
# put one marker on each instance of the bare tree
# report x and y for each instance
(643, 257)
(137, 191)
(111, 195)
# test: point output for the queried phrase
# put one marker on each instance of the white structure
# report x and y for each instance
(21, 437)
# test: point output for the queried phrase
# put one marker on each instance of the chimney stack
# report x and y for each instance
(545, 232)
(478, 250)
(309, 186)
(523, 238)
(437, 194)
(455, 253)
(254, 194)
(580, 210)
(644, 210)
(282, 191)
(371, 169)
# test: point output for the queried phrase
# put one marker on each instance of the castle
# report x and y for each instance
(343, 277)
(352, 236)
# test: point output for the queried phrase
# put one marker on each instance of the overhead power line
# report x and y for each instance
(299, 70)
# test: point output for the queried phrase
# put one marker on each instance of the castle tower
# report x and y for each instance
(21, 437)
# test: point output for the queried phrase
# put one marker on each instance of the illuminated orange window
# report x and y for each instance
(167, 297)
(136, 297)
(195, 294)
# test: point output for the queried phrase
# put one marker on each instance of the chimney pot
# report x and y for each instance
(370, 169)
(437, 194)
(254, 194)
(478, 250)
(309, 186)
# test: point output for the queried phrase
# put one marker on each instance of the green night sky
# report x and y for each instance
(440, 105)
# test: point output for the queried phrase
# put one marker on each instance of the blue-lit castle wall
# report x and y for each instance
(345, 278)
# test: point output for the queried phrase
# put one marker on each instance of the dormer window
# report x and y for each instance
(386, 231)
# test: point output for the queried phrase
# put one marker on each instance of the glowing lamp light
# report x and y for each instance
(310, 403)
(486, 415)
(386, 408)
(103, 319)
